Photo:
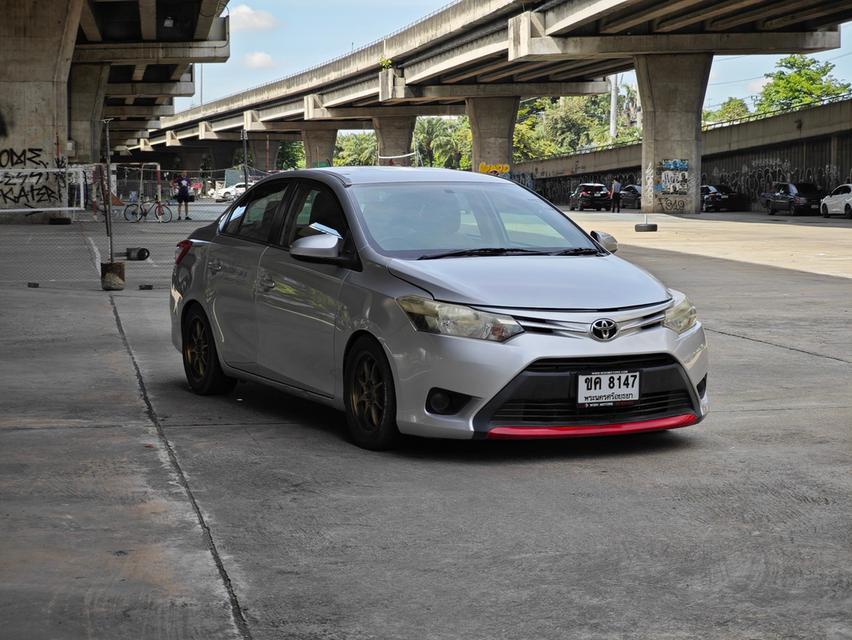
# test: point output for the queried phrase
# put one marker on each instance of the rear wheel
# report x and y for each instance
(200, 359)
(132, 213)
(369, 396)
(792, 211)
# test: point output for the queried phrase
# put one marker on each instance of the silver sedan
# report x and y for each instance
(434, 303)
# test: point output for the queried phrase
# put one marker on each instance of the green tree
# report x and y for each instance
(799, 80)
(453, 150)
(291, 155)
(355, 149)
(431, 134)
(730, 109)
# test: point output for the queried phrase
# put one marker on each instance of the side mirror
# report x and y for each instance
(322, 247)
(607, 241)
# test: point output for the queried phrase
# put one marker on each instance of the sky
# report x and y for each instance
(271, 39)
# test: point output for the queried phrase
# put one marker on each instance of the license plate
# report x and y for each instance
(814, 206)
(608, 388)
(724, 197)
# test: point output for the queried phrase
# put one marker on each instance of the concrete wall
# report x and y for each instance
(813, 145)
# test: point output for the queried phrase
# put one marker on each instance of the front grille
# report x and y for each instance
(545, 393)
(553, 365)
(651, 405)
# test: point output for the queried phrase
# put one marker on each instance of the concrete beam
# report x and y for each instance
(205, 132)
(703, 14)
(767, 11)
(401, 92)
(206, 15)
(138, 72)
(129, 125)
(148, 19)
(570, 16)
(252, 122)
(824, 9)
(150, 89)
(145, 145)
(88, 23)
(172, 139)
(652, 13)
(315, 111)
(139, 111)
(458, 57)
(154, 53)
(531, 48)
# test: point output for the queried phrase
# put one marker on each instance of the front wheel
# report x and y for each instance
(132, 213)
(165, 213)
(824, 211)
(370, 397)
(200, 359)
(848, 211)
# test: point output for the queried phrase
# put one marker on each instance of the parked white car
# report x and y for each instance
(229, 193)
(838, 202)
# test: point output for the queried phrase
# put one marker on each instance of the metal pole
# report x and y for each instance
(109, 191)
(613, 107)
(245, 157)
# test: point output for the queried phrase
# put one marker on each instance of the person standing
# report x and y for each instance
(615, 194)
(182, 197)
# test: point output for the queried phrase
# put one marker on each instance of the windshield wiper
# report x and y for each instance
(577, 251)
(485, 251)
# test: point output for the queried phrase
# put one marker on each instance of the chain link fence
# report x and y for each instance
(67, 249)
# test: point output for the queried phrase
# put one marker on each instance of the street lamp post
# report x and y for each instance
(108, 196)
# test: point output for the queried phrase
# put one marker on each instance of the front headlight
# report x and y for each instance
(457, 320)
(682, 316)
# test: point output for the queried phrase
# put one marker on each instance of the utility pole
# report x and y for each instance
(244, 137)
(108, 208)
(613, 107)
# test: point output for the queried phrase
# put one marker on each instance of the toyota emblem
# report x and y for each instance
(604, 329)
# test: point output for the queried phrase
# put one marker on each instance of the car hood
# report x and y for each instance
(534, 282)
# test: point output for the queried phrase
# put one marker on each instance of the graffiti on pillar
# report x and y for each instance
(672, 182)
(500, 169)
(23, 181)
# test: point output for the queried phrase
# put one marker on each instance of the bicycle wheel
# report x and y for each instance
(132, 213)
(165, 213)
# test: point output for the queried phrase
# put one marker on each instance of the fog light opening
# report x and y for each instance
(702, 387)
(444, 403)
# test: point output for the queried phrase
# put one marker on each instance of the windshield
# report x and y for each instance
(416, 220)
(807, 187)
(723, 188)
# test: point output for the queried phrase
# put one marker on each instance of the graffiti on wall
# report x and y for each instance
(24, 181)
(500, 169)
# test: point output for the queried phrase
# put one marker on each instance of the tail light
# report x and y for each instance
(182, 249)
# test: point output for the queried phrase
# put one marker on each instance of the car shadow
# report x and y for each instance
(299, 413)
(762, 217)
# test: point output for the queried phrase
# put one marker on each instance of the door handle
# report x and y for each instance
(266, 283)
(214, 265)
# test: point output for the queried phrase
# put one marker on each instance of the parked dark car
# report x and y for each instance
(589, 195)
(793, 198)
(631, 196)
(721, 196)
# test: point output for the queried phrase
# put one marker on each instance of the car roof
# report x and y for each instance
(378, 175)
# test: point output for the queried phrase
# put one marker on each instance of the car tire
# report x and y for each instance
(200, 357)
(824, 211)
(369, 396)
(769, 210)
(792, 211)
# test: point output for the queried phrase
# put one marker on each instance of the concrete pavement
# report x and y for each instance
(736, 528)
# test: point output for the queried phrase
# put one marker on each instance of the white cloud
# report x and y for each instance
(244, 18)
(755, 86)
(258, 60)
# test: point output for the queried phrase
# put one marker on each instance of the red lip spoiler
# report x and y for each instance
(519, 433)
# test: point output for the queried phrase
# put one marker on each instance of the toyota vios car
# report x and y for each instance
(434, 303)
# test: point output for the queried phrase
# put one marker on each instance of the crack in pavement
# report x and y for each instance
(775, 344)
(236, 610)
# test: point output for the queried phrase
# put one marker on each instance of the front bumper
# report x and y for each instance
(673, 384)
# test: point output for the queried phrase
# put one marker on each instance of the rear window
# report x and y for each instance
(723, 188)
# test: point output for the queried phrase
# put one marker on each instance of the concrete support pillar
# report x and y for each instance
(319, 147)
(394, 135)
(36, 46)
(672, 88)
(492, 123)
(264, 152)
(87, 83)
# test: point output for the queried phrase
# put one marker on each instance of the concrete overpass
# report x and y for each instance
(66, 64)
(480, 57)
